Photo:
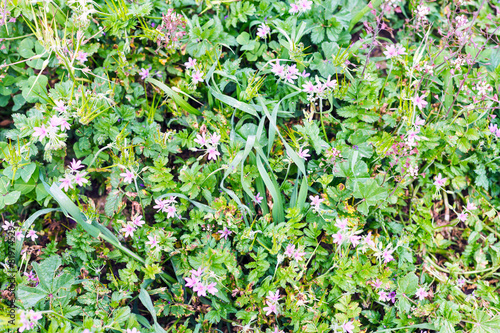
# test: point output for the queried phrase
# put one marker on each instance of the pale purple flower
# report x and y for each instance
(7, 225)
(257, 199)
(270, 308)
(304, 5)
(75, 165)
(392, 295)
(197, 77)
(263, 30)
(40, 132)
(273, 297)
(81, 56)
(304, 74)
(308, 87)
(211, 288)
(19, 235)
(387, 254)
(471, 206)
(153, 241)
(341, 223)
(225, 233)
(338, 238)
(461, 282)
(419, 122)
(66, 183)
(290, 249)
(129, 230)
(303, 154)
(201, 289)
(368, 240)
(348, 327)
(197, 272)
(212, 153)
(144, 73)
(215, 138)
(439, 180)
(355, 240)
(191, 282)
(128, 176)
(331, 83)
(462, 217)
(394, 51)
(383, 296)
(294, 8)
(297, 255)
(160, 204)
(493, 128)
(420, 102)
(316, 201)
(277, 69)
(79, 178)
(377, 283)
(191, 63)
(170, 210)
(137, 220)
(60, 106)
(32, 234)
(201, 139)
(421, 293)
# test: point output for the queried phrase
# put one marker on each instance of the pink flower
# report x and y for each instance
(316, 201)
(60, 106)
(338, 238)
(297, 255)
(212, 153)
(368, 240)
(134, 330)
(308, 87)
(263, 30)
(81, 56)
(471, 206)
(153, 241)
(8, 225)
(79, 178)
(225, 232)
(19, 235)
(304, 74)
(294, 8)
(348, 327)
(32, 234)
(128, 176)
(191, 63)
(40, 132)
(341, 223)
(419, 122)
(377, 283)
(66, 183)
(257, 199)
(277, 69)
(462, 217)
(421, 293)
(75, 165)
(290, 249)
(197, 272)
(383, 296)
(170, 210)
(214, 139)
(160, 204)
(144, 73)
(201, 139)
(137, 220)
(303, 154)
(304, 5)
(355, 240)
(420, 102)
(211, 288)
(129, 230)
(439, 181)
(270, 308)
(197, 77)
(274, 297)
(394, 51)
(201, 289)
(387, 254)
(191, 282)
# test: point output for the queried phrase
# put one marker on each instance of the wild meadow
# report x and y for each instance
(249, 166)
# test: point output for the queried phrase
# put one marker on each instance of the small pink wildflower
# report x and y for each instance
(348, 327)
(191, 281)
(439, 180)
(258, 199)
(81, 57)
(137, 220)
(129, 230)
(274, 297)
(197, 77)
(421, 293)
(471, 206)
(197, 272)
(191, 63)
(79, 178)
(128, 176)
(66, 183)
(19, 235)
(215, 138)
(341, 223)
(316, 201)
(355, 240)
(277, 69)
(308, 87)
(263, 30)
(303, 154)
(160, 204)
(144, 73)
(394, 51)
(201, 289)
(462, 216)
(40, 132)
(201, 139)
(7, 225)
(225, 233)
(170, 210)
(60, 106)
(153, 241)
(387, 254)
(212, 153)
(32, 234)
(297, 255)
(338, 238)
(420, 102)
(211, 288)
(383, 296)
(270, 308)
(75, 165)
(290, 249)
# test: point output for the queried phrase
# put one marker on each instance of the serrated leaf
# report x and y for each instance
(113, 202)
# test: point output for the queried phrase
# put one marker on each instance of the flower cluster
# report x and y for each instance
(286, 72)
(272, 303)
(320, 90)
(421, 15)
(482, 88)
(296, 254)
(73, 177)
(199, 286)
(195, 72)
(166, 206)
(171, 30)
(131, 226)
(209, 143)
(494, 130)
(28, 320)
(300, 6)
(54, 130)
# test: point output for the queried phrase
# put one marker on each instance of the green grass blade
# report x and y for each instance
(175, 96)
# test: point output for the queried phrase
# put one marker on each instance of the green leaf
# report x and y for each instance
(179, 101)
(113, 202)
(408, 284)
(25, 49)
(371, 192)
(27, 170)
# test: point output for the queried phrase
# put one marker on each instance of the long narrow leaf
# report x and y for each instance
(175, 96)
